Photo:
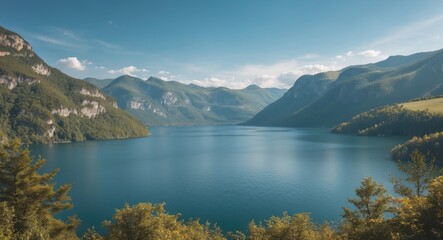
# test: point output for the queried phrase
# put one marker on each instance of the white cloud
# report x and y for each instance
(309, 56)
(163, 72)
(74, 63)
(358, 57)
(130, 70)
(281, 74)
(369, 53)
(168, 76)
(219, 82)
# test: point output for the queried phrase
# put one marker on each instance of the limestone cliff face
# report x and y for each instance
(41, 69)
(13, 45)
(14, 41)
(95, 93)
(42, 104)
(11, 81)
(91, 109)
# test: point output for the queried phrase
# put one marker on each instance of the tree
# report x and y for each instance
(146, 221)
(296, 227)
(368, 218)
(91, 234)
(419, 174)
(432, 216)
(6, 222)
(31, 196)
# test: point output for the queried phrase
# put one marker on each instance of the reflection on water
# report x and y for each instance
(224, 174)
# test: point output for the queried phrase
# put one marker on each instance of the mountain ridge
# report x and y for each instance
(357, 89)
(41, 104)
(159, 102)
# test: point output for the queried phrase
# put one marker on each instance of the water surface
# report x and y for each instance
(228, 175)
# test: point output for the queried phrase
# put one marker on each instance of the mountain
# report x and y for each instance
(158, 102)
(307, 89)
(41, 104)
(100, 83)
(326, 99)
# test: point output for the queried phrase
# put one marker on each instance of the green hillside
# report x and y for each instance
(420, 119)
(158, 102)
(393, 120)
(306, 90)
(100, 83)
(358, 89)
(39, 103)
(434, 105)
(432, 144)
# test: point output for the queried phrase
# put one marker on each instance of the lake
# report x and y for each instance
(228, 175)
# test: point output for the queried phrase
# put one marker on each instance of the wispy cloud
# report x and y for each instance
(70, 40)
(107, 44)
(413, 36)
(66, 33)
(52, 40)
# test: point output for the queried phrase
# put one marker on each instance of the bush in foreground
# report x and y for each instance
(29, 200)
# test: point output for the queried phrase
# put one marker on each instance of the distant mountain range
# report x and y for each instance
(158, 102)
(39, 103)
(327, 99)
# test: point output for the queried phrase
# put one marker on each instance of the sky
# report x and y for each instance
(230, 43)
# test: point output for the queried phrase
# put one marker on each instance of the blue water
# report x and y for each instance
(228, 175)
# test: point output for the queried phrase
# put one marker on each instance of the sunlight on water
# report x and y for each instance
(224, 174)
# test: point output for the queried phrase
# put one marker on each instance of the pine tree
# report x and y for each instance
(32, 196)
(419, 175)
(146, 221)
(368, 219)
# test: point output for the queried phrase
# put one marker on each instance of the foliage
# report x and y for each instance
(91, 234)
(393, 120)
(420, 217)
(296, 227)
(432, 144)
(6, 221)
(368, 218)
(432, 217)
(30, 198)
(419, 175)
(26, 111)
(146, 221)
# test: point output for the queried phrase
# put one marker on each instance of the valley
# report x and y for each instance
(221, 120)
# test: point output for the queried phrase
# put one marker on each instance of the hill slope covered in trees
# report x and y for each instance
(355, 89)
(39, 103)
(158, 102)
(421, 119)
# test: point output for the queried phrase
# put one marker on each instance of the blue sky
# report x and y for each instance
(229, 43)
